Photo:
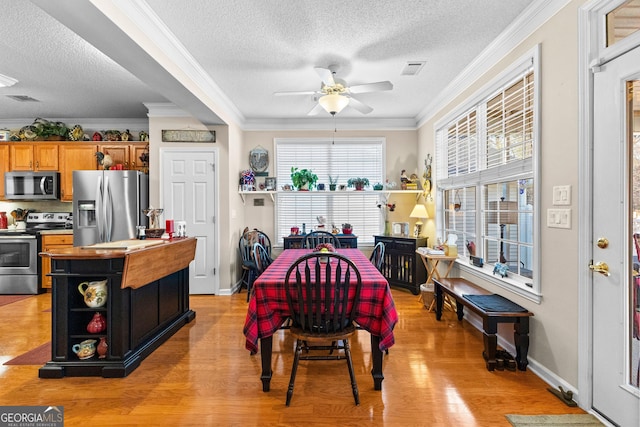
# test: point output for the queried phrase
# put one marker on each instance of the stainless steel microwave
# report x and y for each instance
(32, 185)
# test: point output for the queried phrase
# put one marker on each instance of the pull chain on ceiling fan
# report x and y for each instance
(335, 95)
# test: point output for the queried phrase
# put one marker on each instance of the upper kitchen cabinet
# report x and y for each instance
(74, 156)
(4, 166)
(34, 157)
(127, 155)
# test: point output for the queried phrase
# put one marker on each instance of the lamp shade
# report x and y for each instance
(333, 103)
(419, 211)
(501, 212)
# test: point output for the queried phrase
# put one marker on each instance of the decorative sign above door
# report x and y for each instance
(188, 135)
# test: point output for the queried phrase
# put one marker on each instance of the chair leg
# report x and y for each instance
(294, 369)
(352, 374)
(250, 279)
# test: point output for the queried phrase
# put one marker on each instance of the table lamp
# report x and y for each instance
(419, 211)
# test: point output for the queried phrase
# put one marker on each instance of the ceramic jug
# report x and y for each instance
(85, 349)
(94, 293)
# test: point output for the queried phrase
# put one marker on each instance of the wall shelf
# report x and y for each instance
(273, 194)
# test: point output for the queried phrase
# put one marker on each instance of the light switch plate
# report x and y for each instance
(559, 218)
(562, 195)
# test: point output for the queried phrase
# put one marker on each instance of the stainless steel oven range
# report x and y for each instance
(19, 262)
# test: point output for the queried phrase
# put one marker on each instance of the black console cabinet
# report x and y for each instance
(346, 241)
(402, 266)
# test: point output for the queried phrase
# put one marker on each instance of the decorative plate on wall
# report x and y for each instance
(259, 159)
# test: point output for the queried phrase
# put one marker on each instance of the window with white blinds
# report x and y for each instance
(486, 177)
(339, 159)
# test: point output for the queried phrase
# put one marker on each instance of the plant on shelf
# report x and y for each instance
(46, 129)
(346, 228)
(303, 179)
(333, 183)
(358, 183)
(378, 187)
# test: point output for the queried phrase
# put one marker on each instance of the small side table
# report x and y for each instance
(431, 262)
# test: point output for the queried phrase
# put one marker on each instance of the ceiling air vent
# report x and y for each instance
(413, 68)
(22, 98)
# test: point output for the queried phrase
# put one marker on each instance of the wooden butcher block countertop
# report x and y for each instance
(145, 260)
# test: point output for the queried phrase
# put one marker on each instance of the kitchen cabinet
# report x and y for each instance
(34, 157)
(147, 302)
(402, 266)
(74, 156)
(4, 166)
(49, 242)
(125, 154)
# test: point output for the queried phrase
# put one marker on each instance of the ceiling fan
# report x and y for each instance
(334, 94)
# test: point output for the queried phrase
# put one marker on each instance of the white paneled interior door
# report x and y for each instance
(188, 193)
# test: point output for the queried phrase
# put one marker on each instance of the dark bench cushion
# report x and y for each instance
(495, 302)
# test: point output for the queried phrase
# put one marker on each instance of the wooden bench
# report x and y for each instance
(457, 288)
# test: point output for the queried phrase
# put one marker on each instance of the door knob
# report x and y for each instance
(600, 267)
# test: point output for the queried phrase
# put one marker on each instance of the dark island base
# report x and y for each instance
(118, 368)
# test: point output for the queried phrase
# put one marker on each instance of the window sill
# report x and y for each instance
(512, 285)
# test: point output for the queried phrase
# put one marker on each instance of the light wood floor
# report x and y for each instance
(434, 376)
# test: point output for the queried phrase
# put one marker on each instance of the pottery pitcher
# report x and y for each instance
(94, 293)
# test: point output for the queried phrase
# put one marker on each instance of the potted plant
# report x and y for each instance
(48, 130)
(346, 228)
(303, 179)
(333, 183)
(358, 183)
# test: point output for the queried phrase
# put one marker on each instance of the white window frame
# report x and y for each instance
(526, 169)
(331, 198)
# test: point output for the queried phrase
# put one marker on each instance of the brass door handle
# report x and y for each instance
(600, 267)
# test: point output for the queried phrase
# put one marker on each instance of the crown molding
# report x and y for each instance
(138, 20)
(328, 124)
(521, 28)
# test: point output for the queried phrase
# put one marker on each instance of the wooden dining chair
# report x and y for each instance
(245, 248)
(314, 238)
(322, 292)
(377, 256)
(261, 258)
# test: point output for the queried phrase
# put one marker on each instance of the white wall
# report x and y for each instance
(554, 328)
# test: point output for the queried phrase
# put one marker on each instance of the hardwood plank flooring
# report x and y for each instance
(434, 376)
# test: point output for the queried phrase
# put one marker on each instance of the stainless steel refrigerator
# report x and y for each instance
(107, 205)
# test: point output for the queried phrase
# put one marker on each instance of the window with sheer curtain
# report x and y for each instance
(338, 159)
(486, 178)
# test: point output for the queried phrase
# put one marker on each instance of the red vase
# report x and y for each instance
(102, 348)
(97, 324)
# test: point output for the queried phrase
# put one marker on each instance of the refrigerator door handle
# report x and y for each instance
(108, 208)
(99, 210)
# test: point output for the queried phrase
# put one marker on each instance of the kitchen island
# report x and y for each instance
(147, 301)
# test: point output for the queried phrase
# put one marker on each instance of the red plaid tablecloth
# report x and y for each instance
(376, 311)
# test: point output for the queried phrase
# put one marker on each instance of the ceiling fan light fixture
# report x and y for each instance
(333, 103)
(6, 81)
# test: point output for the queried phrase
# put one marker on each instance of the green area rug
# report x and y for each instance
(572, 420)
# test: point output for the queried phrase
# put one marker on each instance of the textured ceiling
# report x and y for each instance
(105, 58)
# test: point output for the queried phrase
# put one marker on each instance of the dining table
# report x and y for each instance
(268, 310)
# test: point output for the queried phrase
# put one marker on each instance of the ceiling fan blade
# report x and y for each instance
(358, 105)
(325, 75)
(286, 93)
(315, 110)
(371, 87)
